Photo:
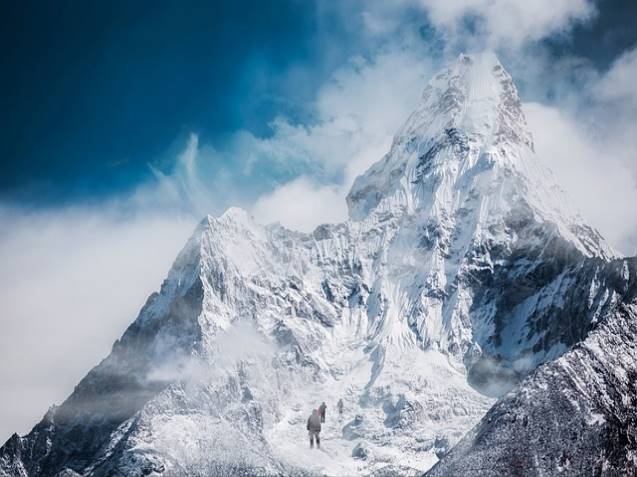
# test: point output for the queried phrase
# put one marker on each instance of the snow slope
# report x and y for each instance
(460, 270)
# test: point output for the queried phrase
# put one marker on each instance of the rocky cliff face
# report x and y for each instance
(574, 416)
(461, 269)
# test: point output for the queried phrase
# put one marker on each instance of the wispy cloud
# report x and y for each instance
(71, 281)
(618, 85)
(482, 24)
(587, 136)
(592, 170)
(354, 117)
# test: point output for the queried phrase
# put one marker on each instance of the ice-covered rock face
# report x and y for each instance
(460, 270)
(462, 197)
(467, 150)
(467, 111)
(574, 416)
(476, 96)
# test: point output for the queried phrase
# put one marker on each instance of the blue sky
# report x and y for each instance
(97, 91)
(122, 123)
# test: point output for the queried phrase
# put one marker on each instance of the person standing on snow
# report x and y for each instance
(314, 429)
(321, 409)
(340, 408)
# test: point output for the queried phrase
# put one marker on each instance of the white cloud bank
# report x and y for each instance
(71, 281)
(301, 205)
(478, 24)
(507, 22)
(591, 170)
(358, 112)
(619, 83)
(592, 147)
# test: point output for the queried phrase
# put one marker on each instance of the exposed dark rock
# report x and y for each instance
(574, 416)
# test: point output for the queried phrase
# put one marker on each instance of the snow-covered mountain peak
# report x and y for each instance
(465, 157)
(475, 95)
(460, 270)
(235, 214)
(468, 119)
(234, 220)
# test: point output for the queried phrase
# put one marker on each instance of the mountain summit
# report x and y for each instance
(460, 270)
(469, 135)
